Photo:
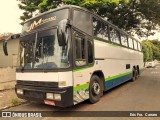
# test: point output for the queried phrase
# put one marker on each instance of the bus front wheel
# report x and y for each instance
(95, 89)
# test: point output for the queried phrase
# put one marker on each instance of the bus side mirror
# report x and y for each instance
(5, 48)
(61, 32)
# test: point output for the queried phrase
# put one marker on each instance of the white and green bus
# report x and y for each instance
(69, 54)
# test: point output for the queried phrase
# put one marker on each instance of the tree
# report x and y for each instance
(145, 52)
(150, 15)
(29, 7)
(150, 50)
(140, 16)
(156, 49)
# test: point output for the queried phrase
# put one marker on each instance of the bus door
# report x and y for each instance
(83, 62)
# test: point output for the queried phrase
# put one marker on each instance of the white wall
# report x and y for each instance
(7, 74)
(11, 59)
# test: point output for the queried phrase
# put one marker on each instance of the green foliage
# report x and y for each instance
(151, 50)
(15, 101)
(141, 16)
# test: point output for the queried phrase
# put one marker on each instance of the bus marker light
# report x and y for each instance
(49, 96)
(49, 102)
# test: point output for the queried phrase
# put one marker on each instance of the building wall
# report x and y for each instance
(11, 59)
(7, 74)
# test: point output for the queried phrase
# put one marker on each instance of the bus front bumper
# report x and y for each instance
(61, 97)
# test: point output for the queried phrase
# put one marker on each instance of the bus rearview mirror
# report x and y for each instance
(5, 48)
(61, 32)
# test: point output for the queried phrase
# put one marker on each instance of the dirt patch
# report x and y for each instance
(9, 98)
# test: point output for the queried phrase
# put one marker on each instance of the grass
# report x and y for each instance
(15, 101)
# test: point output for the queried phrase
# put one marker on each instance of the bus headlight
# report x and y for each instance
(52, 96)
(57, 97)
(20, 91)
(49, 96)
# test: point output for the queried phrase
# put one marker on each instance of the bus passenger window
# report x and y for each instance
(139, 46)
(90, 51)
(130, 42)
(124, 40)
(114, 35)
(97, 28)
(80, 51)
(135, 44)
(105, 34)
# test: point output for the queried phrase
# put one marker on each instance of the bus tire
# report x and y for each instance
(95, 89)
(138, 71)
(134, 75)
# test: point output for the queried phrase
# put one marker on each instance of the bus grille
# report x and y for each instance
(38, 83)
(33, 94)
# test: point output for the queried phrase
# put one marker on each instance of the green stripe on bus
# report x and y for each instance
(84, 86)
(79, 69)
(81, 87)
(117, 76)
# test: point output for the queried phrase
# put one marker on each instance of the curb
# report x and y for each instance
(7, 107)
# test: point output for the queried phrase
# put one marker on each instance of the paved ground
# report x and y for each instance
(141, 95)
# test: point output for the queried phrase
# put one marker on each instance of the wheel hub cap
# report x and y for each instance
(96, 88)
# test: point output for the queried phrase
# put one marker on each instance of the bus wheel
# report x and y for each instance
(95, 89)
(138, 72)
(134, 75)
(137, 75)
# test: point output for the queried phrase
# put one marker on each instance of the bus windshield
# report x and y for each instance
(41, 50)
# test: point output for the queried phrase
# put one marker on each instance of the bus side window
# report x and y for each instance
(135, 44)
(114, 35)
(139, 46)
(124, 40)
(130, 42)
(80, 51)
(97, 28)
(105, 33)
(90, 51)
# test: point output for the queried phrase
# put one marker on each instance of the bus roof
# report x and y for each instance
(84, 9)
(52, 10)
